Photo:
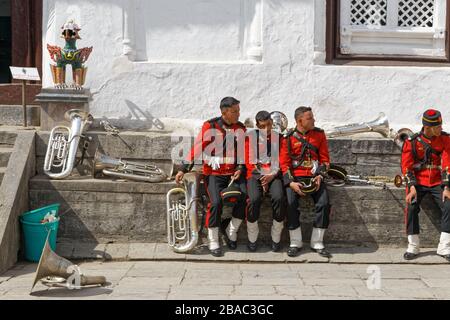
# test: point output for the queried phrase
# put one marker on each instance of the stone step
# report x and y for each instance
(5, 153)
(7, 138)
(74, 251)
(102, 211)
(12, 115)
(2, 174)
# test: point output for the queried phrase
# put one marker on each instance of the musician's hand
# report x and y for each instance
(446, 194)
(297, 187)
(318, 181)
(411, 195)
(179, 177)
(236, 175)
(267, 179)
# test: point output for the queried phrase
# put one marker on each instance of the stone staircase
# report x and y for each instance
(17, 166)
(99, 212)
(6, 148)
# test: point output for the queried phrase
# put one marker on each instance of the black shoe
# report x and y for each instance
(252, 246)
(445, 256)
(293, 251)
(216, 252)
(276, 246)
(232, 245)
(409, 256)
(322, 252)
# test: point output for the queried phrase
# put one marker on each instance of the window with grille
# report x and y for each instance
(392, 27)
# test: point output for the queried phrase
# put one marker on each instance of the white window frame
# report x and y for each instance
(392, 39)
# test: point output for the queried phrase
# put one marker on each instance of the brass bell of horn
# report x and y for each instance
(52, 265)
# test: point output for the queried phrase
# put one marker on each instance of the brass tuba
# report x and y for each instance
(280, 121)
(126, 169)
(63, 144)
(52, 266)
(182, 221)
(380, 125)
(401, 136)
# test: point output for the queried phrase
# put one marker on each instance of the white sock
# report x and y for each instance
(233, 228)
(253, 231)
(444, 244)
(413, 244)
(277, 228)
(317, 238)
(296, 237)
(213, 238)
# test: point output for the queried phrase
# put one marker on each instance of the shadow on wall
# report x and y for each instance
(137, 119)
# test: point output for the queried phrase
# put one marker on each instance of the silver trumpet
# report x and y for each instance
(182, 219)
(63, 144)
(379, 125)
(127, 170)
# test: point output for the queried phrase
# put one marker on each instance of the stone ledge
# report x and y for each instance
(162, 252)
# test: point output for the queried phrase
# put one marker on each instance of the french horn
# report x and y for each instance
(63, 144)
(127, 170)
(58, 271)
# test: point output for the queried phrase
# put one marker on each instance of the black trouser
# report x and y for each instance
(322, 207)
(214, 185)
(255, 196)
(412, 224)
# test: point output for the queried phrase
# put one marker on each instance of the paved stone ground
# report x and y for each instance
(166, 279)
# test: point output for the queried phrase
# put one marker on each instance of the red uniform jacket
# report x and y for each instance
(258, 157)
(229, 163)
(426, 168)
(297, 157)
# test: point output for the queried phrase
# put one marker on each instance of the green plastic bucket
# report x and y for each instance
(35, 235)
(35, 216)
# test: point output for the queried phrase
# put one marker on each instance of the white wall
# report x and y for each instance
(178, 58)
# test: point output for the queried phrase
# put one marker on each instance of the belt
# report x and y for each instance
(428, 166)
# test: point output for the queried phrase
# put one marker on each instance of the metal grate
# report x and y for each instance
(415, 13)
(368, 12)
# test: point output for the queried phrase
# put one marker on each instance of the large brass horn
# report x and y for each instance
(401, 136)
(280, 121)
(52, 265)
(63, 144)
(379, 125)
(127, 169)
(182, 220)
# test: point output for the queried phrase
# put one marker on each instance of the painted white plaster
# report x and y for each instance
(158, 72)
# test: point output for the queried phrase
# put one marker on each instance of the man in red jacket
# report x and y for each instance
(304, 151)
(425, 166)
(220, 145)
(264, 175)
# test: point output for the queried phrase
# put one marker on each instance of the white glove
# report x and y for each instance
(214, 162)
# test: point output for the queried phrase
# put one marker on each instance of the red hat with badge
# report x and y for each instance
(431, 118)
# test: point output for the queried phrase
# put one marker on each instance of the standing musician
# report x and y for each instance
(304, 151)
(425, 166)
(218, 145)
(263, 175)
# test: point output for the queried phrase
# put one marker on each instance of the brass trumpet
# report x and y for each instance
(126, 169)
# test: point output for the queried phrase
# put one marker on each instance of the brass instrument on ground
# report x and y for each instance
(379, 125)
(182, 220)
(337, 176)
(63, 144)
(128, 170)
(52, 267)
